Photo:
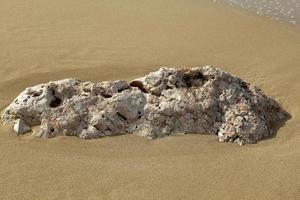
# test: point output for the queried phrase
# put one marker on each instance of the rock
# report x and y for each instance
(20, 127)
(169, 101)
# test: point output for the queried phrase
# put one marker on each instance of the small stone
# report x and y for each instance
(20, 127)
(240, 142)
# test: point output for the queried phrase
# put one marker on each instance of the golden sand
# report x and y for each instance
(123, 39)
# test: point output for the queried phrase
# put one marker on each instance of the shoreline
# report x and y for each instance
(278, 10)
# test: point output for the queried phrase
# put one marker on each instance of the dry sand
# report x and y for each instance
(123, 39)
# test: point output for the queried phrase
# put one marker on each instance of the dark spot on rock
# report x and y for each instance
(168, 87)
(190, 77)
(55, 102)
(139, 85)
(244, 85)
(187, 79)
(52, 130)
(86, 89)
(38, 93)
(121, 116)
(140, 114)
(198, 75)
(106, 95)
(96, 127)
(53, 91)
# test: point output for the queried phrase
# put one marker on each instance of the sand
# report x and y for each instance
(281, 10)
(123, 39)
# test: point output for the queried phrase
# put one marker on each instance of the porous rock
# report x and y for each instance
(203, 100)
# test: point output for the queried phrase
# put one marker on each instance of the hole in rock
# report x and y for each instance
(122, 89)
(106, 95)
(55, 102)
(87, 90)
(168, 87)
(26, 100)
(52, 130)
(199, 75)
(189, 77)
(37, 93)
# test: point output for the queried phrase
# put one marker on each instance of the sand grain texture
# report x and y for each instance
(109, 40)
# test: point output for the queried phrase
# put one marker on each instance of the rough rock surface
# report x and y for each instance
(169, 101)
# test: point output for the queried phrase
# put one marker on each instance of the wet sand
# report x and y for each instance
(281, 10)
(124, 39)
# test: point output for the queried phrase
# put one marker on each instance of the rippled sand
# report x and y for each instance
(123, 39)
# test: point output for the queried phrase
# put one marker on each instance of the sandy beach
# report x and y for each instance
(124, 39)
